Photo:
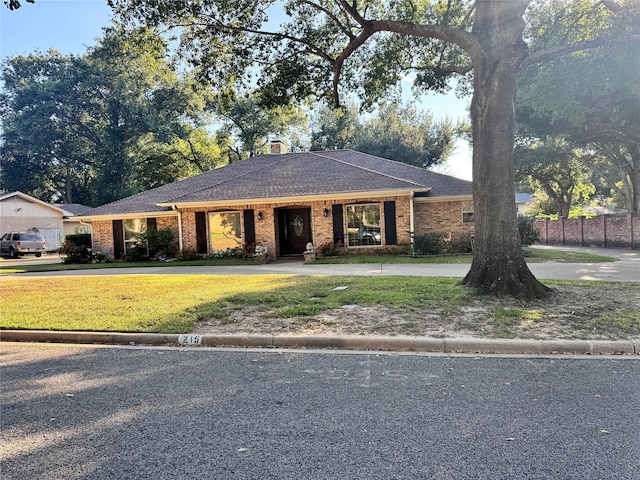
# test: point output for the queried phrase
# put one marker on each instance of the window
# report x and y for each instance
(133, 227)
(225, 231)
(363, 225)
(467, 211)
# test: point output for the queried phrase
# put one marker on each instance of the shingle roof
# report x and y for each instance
(74, 208)
(290, 175)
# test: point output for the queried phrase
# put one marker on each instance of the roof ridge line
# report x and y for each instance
(227, 179)
(370, 170)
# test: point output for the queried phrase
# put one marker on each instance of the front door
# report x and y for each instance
(294, 230)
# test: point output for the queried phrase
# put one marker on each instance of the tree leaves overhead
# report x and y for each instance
(296, 49)
(592, 100)
(96, 128)
(395, 131)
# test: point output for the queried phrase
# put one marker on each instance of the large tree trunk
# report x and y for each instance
(498, 262)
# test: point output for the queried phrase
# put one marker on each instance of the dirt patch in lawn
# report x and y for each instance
(592, 312)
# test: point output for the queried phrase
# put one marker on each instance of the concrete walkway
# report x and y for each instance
(627, 269)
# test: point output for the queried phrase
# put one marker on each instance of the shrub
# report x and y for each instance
(428, 244)
(160, 242)
(135, 253)
(80, 239)
(461, 245)
(528, 234)
(73, 253)
(188, 254)
(329, 249)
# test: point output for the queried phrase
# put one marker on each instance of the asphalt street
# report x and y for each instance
(84, 412)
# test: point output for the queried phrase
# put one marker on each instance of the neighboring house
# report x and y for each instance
(284, 201)
(523, 202)
(20, 212)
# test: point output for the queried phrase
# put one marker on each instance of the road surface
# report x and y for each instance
(88, 412)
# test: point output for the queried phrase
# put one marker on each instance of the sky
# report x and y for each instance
(70, 26)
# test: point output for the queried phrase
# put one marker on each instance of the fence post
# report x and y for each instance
(546, 230)
(604, 230)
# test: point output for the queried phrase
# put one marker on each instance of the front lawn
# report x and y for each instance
(308, 305)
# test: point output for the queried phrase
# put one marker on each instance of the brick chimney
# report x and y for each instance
(277, 147)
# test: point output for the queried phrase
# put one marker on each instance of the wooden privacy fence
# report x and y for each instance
(601, 231)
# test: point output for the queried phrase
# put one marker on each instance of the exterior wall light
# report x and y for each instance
(325, 212)
(260, 216)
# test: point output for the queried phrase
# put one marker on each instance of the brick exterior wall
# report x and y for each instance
(102, 235)
(437, 217)
(443, 217)
(321, 226)
(102, 232)
(602, 231)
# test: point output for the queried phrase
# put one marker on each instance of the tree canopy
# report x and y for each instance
(396, 131)
(94, 128)
(591, 100)
(332, 48)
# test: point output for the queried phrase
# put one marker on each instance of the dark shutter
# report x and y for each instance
(390, 235)
(249, 228)
(338, 223)
(151, 224)
(201, 232)
(118, 239)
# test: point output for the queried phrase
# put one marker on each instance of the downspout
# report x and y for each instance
(411, 223)
(88, 225)
(175, 209)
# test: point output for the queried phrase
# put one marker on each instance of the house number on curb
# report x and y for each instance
(190, 339)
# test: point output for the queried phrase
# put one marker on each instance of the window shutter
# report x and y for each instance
(249, 228)
(118, 239)
(151, 224)
(390, 234)
(338, 223)
(201, 232)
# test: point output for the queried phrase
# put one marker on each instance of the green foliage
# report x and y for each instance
(528, 233)
(330, 249)
(251, 123)
(94, 128)
(461, 244)
(188, 254)
(556, 172)
(136, 253)
(161, 243)
(590, 100)
(73, 253)
(395, 131)
(81, 239)
(429, 244)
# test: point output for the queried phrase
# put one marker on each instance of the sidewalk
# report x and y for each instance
(625, 270)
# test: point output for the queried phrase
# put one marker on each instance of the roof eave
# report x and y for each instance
(121, 216)
(444, 198)
(295, 198)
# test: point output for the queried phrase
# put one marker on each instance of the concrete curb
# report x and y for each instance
(373, 343)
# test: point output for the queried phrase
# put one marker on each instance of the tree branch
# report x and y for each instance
(562, 50)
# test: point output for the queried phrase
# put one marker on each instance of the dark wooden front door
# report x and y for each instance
(294, 230)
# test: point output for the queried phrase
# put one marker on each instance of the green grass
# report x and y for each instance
(172, 303)
(619, 322)
(538, 255)
(6, 267)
